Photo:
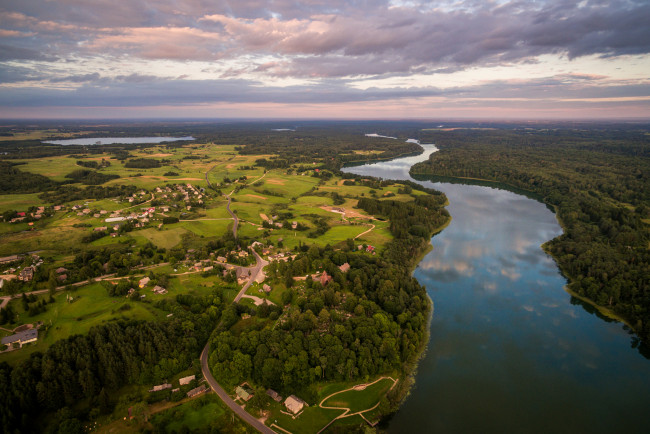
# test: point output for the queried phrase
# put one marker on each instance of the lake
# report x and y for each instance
(114, 140)
(510, 351)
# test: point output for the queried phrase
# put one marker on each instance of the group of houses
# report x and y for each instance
(294, 404)
(181, 382)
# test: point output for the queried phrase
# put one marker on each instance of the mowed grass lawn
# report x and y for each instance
(166, 237)
(360, 400)
(312, 420)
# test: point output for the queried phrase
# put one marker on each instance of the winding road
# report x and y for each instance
(245, 416)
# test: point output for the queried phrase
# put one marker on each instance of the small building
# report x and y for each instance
(21, 338)
(186, 380)
(160, 387)
(62, 277)
(244, 393)
(294, 404)
(266, 288)
(27, 274)
(144, 282)
(344, 268)
(159, 290)
(274, 395)
(221, 259)
(196, 391)
(61, 270)
(101, 228)
(325, 278)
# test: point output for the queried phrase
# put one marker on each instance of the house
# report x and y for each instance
(61, 270)
(20, 214)
(62, 277)
(294, 225)
(294, 404)
(243, 254)
(159, 290)
(27, 274)
(242, 275)
(186, 380)
(221, 259)
(196, 391)
(101, 228)
(160, 387)
(144, 282)
(198, 266)
(325, 278)
(266, 288)
(210, 268)
(344, 268)
(274, 395)
(21, 338)
(244, 393)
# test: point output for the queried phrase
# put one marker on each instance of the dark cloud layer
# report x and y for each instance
(350, 38)
(332, 43)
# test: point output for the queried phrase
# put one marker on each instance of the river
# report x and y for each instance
(510, 351)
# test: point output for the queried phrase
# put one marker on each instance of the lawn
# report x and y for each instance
(359, 400)
(19, 202)
(312, 420)
(206, 228)
(166, 237)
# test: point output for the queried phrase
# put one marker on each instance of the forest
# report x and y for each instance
(598, 181)
(370, 320)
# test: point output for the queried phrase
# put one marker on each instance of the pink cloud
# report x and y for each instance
(161, 42)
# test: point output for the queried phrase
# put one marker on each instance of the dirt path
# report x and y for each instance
(120, 210)
(363, 233)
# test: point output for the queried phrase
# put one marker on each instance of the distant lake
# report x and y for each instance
(510, 351)
(113, 140)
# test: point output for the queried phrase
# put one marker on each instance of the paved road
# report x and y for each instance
(261, 263)
(226, 398)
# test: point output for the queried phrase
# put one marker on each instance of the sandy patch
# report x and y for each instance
(264, 217)
(275, 181)
(256, 196)
(231, 165)
(347, 213)
(160, 155)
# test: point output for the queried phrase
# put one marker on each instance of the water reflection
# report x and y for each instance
(510, 350)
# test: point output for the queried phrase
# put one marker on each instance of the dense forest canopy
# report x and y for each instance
(599, 183)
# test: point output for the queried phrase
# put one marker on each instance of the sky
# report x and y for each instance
(342, 59)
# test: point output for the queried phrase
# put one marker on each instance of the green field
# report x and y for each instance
(360, 400)
(91, 306)
(20, 202)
